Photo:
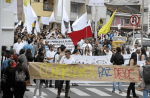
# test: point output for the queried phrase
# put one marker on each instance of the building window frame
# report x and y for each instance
(36, 0)
(127, 19)
(122, 20)
(74, 10)
(89, 9)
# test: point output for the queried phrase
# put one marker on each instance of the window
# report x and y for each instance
(127, 21)
(145, 10)
(122, 21)
(88, 9)
(36, 0)
(74, 7)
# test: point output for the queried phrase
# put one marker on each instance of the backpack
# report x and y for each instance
(20, 76)
(4, 76)
(146, 74)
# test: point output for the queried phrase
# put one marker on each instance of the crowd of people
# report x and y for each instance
(30, 48)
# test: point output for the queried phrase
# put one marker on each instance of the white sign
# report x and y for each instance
(149, 19)
(96, 2)
(58, 42)
(98, 60)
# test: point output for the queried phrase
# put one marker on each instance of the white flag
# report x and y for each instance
(63, 28)
(77, 17)
(23, 29)
(65, 15)
(49, 35)
(16, 18)
(81, 23)
(35, 31)
(89, 23)
(18, 24)
(29, 27)
(45, 20)
(52, 18)
(69, 29)
(59, 8)
(119, 26)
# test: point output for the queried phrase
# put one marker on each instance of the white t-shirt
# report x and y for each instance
(147, 53)
(56, 58)
(84, 45)
(50, 54)
(109, 53)
(81, 42)
(24, 42)
(87, 55)
(64, 60)
(18, 47)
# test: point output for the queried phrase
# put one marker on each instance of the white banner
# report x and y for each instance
(58, 42)
(149, 19)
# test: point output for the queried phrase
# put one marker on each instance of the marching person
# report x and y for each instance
(144, 74)
(117, 59)
(107, 51)
(96, 48)
(87, 44)
(18, 46)
(67, 59)
(87, 51)
(39, 83)
(50, 58)
(133, 62)
(19, 81)
(6, 87)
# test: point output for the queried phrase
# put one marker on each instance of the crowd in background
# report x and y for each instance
(30, 48)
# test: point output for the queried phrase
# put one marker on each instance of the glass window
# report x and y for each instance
(122, 21)
(113, 22)
(74, 7)
(145, 43)
(88, 9)
(127, 21)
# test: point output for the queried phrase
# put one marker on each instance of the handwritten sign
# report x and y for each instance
(8, 1)
(80, 72)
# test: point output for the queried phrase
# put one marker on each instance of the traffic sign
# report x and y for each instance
(134, 20)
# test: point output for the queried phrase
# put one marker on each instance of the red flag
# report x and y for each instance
(78, 35)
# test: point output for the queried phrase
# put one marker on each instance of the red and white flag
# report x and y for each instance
(81, 30)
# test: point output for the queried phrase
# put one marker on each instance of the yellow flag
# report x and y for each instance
(106, 28)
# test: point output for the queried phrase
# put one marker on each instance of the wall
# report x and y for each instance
(20, 9)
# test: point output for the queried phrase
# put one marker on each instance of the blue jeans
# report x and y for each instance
(119, 86)
(145, 93)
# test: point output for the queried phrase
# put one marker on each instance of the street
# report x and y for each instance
(85, 91)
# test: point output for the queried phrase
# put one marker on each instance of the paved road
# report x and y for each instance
(84, 91)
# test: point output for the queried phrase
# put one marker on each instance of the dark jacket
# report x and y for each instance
(117, 59)
(29, 58)
(40, 57)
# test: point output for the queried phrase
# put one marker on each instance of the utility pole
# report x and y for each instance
(142, 23)
(95, 23)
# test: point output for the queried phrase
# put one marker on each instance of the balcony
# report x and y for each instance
(47, 7)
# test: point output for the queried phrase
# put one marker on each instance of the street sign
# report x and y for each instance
(134, 20)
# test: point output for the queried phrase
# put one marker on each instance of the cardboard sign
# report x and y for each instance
(80, 72)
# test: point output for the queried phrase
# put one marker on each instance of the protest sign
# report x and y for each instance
(80, 72)
(58, 42)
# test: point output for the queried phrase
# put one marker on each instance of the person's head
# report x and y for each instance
(29, 52)
(29, 41)
(59, 37)
(22, 51)
(77, 46)
(67, 54)
(147, 61)
(76, 52)
(10, 63)
(138, 51)
(87, 48)
(136, 45)
(86, 41)
(122, 48)
(134, 56)
(63, 48)
(104, 46)
(41, 51)
(41, 40)
(10, 55)
(46, 43)
(51, 47)
(143, 51)
(93, 40)
(24, 38)
(96, 42)
(107, 48)
(118, 50)
(19, 40)
(145, 47)
(59, 50)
